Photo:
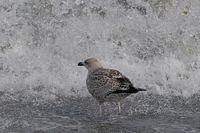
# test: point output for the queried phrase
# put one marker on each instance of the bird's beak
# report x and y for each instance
(80, 64)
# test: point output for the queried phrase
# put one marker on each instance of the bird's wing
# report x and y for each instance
(111, 79)
(119, 81)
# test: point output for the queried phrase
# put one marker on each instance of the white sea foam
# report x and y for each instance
(157, 48)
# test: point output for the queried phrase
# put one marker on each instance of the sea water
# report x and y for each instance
(155, 43)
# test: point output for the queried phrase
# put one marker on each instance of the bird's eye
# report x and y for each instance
(86, 62)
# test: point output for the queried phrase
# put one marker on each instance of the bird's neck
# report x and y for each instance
(94, 68)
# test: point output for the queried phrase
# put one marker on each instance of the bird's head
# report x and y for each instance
(91, 64)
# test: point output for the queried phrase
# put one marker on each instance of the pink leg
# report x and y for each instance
(119, 107)
(100, 109)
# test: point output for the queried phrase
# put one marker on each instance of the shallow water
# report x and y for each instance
(74, 114)
(153, 42)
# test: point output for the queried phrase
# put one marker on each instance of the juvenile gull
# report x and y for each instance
(107, 85)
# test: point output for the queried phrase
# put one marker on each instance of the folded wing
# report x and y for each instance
(114, 81)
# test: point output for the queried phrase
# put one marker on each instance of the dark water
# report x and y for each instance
(141, 114)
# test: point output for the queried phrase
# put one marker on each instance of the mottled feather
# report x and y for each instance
(107, 85)
(102, 83)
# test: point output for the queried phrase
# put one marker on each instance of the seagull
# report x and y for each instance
(107, 85)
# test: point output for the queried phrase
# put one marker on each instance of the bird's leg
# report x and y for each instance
(100, 109)
(119, 107)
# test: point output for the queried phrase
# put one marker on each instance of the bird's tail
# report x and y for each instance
(131, 90)
(136, 90)
(140, 89)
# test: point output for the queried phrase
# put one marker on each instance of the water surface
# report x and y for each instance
(80, 114)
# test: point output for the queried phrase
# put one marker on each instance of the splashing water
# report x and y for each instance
(155, 43)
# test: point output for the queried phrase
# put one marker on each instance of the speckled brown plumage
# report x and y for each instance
(107, 85)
